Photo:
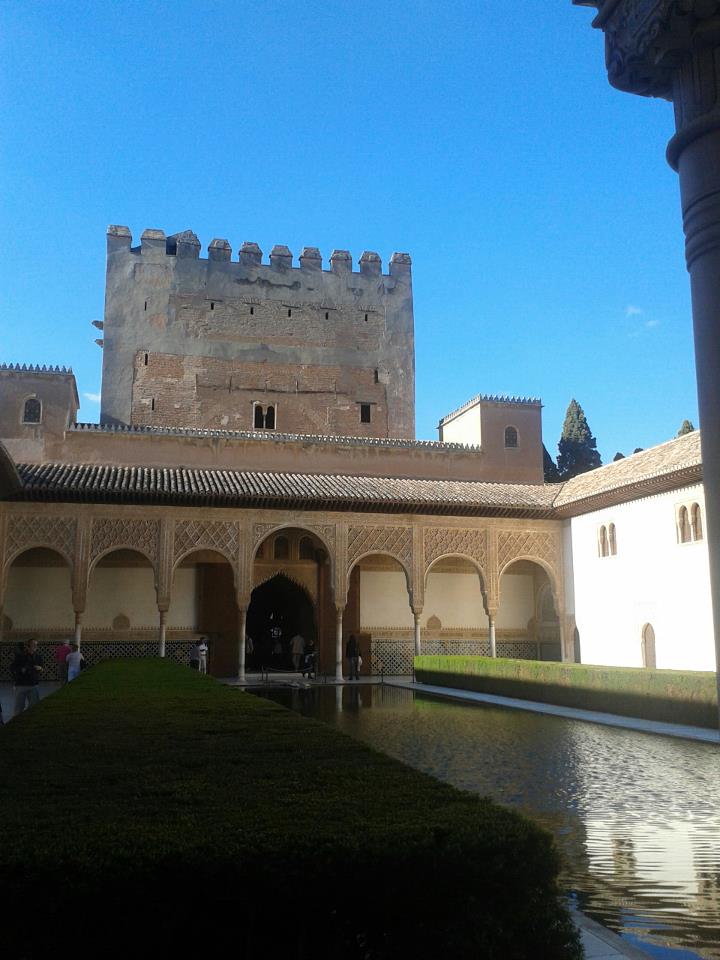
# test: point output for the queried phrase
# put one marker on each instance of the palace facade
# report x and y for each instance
(254, 474)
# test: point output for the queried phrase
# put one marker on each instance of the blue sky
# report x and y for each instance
(482, 137)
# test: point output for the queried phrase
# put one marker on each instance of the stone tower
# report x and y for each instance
(245, 345)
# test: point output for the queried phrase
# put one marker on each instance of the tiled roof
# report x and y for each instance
(269, 436)
(236, 488)
(656, 467)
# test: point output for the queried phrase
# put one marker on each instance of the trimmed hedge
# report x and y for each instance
(670, 695)
(149, 810)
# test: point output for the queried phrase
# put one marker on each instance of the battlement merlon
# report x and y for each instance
(156, 246)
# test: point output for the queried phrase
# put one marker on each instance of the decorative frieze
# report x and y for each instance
(395, 541)
(25, 531)
(446, 541)
(219, 535)
(530, 544)
(129, 534)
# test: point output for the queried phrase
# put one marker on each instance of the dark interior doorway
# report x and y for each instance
(278, 610)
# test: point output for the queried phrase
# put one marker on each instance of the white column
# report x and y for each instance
(241, 641)
(491, 635)
(339, 643)
(417, 633)
(78, 626)
(161, 637)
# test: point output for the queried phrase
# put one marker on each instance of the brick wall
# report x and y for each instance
(206, 392)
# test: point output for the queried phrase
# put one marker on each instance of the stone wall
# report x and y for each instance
(194, 342)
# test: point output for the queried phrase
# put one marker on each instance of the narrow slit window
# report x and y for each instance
(327, 315)
(212, 305)
(602, 542)
(376, 377)
(145, 360)
(289, 313)
(252, 311)
(364, 413)
(152, 403)
(612, 540)
(684, 534)
(696, 522)
(146, 304)
(366, 316)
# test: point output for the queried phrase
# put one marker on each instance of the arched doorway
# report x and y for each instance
(647, 646)
(292, 595)
(38, 603)
(528, 624)
(204, 604)
(378, 612)
(279, 610)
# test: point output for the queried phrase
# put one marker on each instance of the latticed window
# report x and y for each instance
(696, 526)
(511, 437)
(32, 411)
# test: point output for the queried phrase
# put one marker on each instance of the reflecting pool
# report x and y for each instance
(636, 816)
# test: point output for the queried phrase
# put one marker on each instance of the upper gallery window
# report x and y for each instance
(511, 437)
(32, 411)
(263, 417)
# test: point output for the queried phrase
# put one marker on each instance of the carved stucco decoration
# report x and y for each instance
(442, 541)
(645, 40)
(24, 532)
(536, 544)
(219, 535)
(396, 541)
(324, 533)
(139, 535)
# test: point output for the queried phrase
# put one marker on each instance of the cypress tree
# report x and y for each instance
(578, 447)
(550, 470)
(686, 427)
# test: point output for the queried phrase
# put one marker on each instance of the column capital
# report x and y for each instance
(646, 40)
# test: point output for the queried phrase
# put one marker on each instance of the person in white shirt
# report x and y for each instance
(203, 650)
(73, 661)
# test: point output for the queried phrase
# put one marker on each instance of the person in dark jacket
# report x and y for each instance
(26, 669)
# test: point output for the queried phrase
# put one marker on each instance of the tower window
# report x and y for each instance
(376, 377)
(289, 313)
(212, 305)
(511, 437)
(252, 311)
(327, 315)
(146, 304)
(603, 545)
(364, 413)
(145, 360)
(366, 316)
(263, 418)
(696, 522)
(152, 403)
(32, 411)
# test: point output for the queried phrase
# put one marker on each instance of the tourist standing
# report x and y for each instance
(26, 669)
(203, 649)
(61, 653)
(352, 652)
(74, 662)
(309, 660)
(195, 655)
(297, 647)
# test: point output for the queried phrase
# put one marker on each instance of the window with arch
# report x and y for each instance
(612, 540)
(32, 411)
(263, 417)
(683, 524)
(511, 437)
(696, 525)
(281, 548)
(647, 647)
(307, 550)
(603, 542)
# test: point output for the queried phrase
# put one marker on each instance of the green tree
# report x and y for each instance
(550, 470)
(577, 450)
(687, 427)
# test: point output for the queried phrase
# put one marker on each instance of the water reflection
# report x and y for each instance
(637, 817)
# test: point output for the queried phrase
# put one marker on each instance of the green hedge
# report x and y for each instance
(669, 695)
(147, 810)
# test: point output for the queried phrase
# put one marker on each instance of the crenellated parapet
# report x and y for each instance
(155, 245)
